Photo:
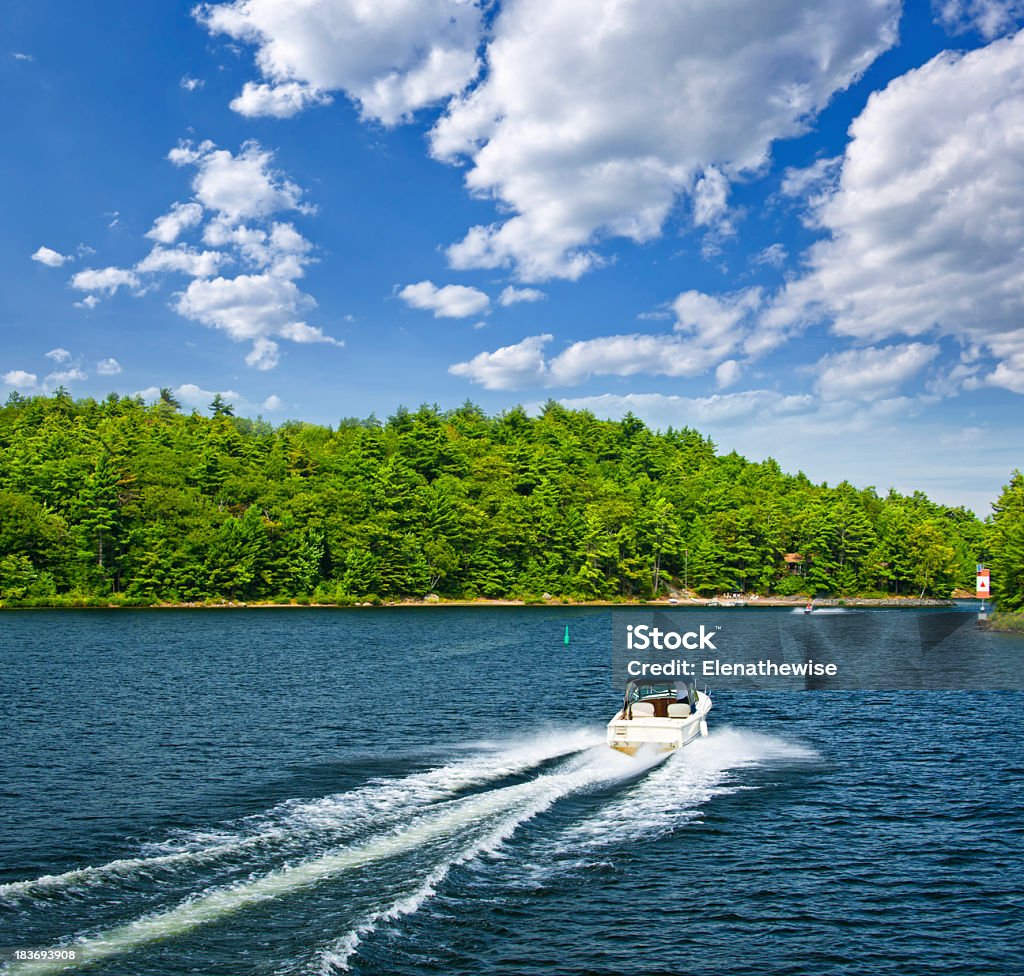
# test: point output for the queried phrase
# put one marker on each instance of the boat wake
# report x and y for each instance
(425, 825)
(292, 823)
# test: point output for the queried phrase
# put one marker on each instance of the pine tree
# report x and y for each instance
(1007, 545)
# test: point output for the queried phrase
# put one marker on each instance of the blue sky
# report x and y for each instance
(798, 228)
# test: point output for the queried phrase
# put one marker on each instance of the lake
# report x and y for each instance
(412, 791)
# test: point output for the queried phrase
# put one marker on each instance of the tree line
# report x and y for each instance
(150, 503)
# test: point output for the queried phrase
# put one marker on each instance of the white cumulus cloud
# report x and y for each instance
(449, 301)
(238, 187)
(871, 373)
(273, 403)
(391, 57)
(183, 259)
(180, 218)
(727, 373)
(105, 280)
(20, 379)
(66, 376)
(50, 257)
(512, 296)
(594, 117)
(265, 354)
(508, 368)
(279, 101)
(925, 227)
(195, 397)
(108, 367)
(707, 331)
(59, 355)
(235, 210)
(252, 307)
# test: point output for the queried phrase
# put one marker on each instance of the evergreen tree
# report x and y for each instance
(1007, 545)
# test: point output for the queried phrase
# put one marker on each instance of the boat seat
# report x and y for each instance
(643, 710)
(679, 710)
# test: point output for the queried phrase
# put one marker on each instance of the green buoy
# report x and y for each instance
(567, 635)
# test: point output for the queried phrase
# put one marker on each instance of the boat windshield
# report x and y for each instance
(638, 691)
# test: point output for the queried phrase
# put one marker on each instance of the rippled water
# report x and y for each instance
(427, 791)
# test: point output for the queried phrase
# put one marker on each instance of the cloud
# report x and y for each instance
(180, 218)
(820, 175)
(707, 331)
(108, 367)
(105, 280)
(195, 397)
(265, 354)
(595, 117)
(273, 403)
(20, 379)
(725, 409)
(21, 56)
(872, 373)
(66, 376)
(187, 260)
(252, 307)
(727, 373)
(628, 355)
(890, 442)
(281, 249)
(512, 296)
(391, 58)
(191, 84)
(774, 256)
(990, 18)
(450, 301)
(237, 199)
(51, 258)
(925, 227)
(59, 355)
(277, 101)
(508, 368)
(709, 197)
(238, 187)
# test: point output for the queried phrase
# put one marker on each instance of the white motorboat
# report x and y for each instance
(662, 714)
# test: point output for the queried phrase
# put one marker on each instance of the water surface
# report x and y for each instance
(426, 791)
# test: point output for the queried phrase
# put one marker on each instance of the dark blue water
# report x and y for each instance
(426, 791)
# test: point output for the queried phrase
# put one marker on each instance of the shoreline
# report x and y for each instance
(712, 603)
(1004, 622)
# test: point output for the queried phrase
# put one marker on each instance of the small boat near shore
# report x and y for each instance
(662, 714)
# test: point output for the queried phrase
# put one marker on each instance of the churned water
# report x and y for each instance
(427, 791)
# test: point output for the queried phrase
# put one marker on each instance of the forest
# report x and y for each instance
(117, 500)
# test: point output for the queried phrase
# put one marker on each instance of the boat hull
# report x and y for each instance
(660, 734)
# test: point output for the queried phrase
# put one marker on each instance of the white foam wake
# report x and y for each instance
(293, 822)
(674, 794)
(600, 765)
(470, 816)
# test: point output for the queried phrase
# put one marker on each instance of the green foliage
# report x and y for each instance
(1007, 546)
(114, 501)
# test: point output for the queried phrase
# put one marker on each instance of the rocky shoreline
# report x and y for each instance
(432, 600)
